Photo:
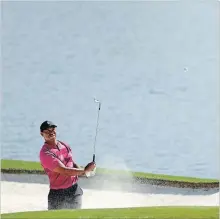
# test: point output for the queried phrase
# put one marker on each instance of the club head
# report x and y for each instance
(96, 101)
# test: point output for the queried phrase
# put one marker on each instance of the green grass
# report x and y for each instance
(20, 164)
(125, 213)
(30, 165)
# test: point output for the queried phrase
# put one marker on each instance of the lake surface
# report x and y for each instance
(154, 66)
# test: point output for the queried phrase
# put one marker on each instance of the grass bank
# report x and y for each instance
(29, 166)
(125, 213)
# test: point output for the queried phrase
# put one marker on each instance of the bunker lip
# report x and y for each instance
(32, 167)
(135, 179)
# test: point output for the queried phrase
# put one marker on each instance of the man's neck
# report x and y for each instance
(52, 143)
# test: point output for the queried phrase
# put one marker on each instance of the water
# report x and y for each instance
(154, 66)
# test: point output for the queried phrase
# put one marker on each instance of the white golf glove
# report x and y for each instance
(91, 173)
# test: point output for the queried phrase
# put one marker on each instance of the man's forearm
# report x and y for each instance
(74, 171)
(76, 166)
(69, 171)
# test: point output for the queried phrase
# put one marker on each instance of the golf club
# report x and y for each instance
(97, 125)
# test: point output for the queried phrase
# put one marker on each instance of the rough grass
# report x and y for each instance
(125, 213)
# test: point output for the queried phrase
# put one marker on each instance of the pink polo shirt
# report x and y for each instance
(50, 159)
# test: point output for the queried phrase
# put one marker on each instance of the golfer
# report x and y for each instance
(57, 161)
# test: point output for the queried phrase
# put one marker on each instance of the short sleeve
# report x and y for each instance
(48, 160)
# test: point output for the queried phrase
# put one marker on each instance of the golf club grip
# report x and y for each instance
(93, 159)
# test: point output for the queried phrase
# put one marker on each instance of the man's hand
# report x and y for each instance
(90, 167)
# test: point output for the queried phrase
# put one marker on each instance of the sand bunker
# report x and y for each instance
(17, 197)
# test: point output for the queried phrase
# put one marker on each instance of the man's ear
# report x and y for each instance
(41, 134)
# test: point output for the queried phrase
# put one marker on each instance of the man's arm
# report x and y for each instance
(68, 171)
(76, 166)
(49, 161)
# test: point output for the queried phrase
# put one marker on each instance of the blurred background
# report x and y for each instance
(154, 66)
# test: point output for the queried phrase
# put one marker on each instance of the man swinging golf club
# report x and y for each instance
(57, 161)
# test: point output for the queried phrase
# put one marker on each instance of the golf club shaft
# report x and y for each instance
(97, 125)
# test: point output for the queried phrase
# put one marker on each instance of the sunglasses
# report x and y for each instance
(50, 130)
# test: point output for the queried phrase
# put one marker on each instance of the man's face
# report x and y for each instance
(49, 134)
